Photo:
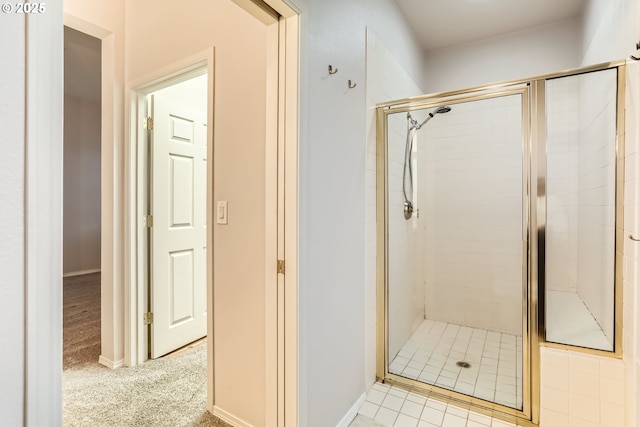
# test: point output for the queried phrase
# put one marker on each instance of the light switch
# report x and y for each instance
(222, 213)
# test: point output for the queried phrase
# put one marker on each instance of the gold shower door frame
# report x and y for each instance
(532, 91)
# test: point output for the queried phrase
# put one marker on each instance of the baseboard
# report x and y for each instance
(109, 363)
(352, 412)
(80, 273)
(228, 418)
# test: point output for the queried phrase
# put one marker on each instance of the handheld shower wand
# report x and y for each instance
(412, 128)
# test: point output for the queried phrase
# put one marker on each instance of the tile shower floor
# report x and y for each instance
(387, 406)
(494, 359)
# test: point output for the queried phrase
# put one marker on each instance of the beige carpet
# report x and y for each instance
(167, 392)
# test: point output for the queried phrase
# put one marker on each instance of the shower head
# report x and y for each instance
(441, 110)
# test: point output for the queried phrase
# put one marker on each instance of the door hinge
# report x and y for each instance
(148, 123)
(148, 318)
(148, 221)
(280, 266)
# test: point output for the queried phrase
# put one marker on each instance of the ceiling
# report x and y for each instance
(444, 23)
(82, 65)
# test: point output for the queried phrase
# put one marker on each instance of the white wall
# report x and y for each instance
(332, 198)
(81, 212)
(471, 214)
(610, 30)
(631, 288)
(387, 80)
(518, 55)
(239, 121)
(12, 111)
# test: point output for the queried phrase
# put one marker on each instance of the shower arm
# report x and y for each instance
(414, 123)
(429, 117)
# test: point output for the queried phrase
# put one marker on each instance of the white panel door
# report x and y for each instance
(178, 234)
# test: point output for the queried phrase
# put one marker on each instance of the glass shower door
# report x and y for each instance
(580, 266)
(456, 268)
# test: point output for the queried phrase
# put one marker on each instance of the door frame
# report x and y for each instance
(136, 296)
(281, 307)
(145, 286)
(42, 390)
(110, 228)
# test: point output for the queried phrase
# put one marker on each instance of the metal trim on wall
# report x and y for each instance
(498, 85)
(381, 245)
(534, 234)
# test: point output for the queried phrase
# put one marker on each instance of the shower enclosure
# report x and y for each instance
(496, 206)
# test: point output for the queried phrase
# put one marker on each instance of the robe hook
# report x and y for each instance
(635, 58)
(332, 70)
(352, 85)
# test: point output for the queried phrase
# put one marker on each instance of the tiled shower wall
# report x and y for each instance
(386, 81)
(471, 202)
(581, 390)
(562, 183)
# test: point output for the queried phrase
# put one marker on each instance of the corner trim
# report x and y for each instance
(228, 418)
(352, 413)
(110, 363)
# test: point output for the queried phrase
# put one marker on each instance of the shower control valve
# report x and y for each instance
(408, 209)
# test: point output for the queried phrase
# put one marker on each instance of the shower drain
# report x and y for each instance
(463, 364)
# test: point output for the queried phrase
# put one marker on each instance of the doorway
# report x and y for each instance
(175, 121)
(81, 198)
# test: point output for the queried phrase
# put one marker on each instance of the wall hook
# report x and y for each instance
(352, 85)
(633, 238)
(635, 58)
(332, 70)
